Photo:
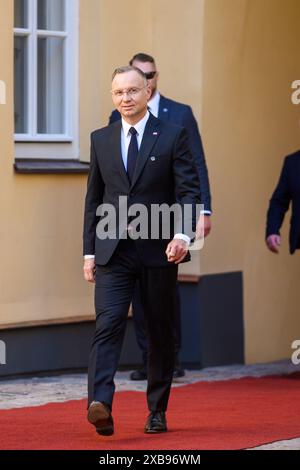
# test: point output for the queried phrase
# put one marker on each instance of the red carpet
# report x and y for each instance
(233, 414)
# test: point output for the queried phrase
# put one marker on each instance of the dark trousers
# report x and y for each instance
(115, 284)
(140, 327)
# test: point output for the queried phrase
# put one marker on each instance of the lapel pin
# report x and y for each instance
(165, 110)
(155, 133)
(152, 159)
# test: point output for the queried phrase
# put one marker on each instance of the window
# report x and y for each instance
(46, 78)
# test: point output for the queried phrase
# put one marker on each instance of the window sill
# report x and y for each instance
(44, 166)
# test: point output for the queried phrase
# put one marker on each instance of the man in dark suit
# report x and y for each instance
(146, 161)
(287, 190)
(170, 111)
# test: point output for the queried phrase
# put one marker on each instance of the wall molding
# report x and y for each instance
(2, 92)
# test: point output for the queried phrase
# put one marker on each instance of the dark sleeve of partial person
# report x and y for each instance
(186, 180)
(195, 141)
(279, 203)
(94, 197)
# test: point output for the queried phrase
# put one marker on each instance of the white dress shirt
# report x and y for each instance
(126, 136)
(153, 104)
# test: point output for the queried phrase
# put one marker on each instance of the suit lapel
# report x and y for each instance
(150, 136)
(164, 109)
(116, 153)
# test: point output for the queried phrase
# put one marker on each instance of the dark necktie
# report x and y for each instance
(132, 154)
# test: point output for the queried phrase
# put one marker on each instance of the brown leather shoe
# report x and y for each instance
(100, 416)
(156, 422)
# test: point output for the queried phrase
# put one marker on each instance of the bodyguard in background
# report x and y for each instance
(177, 113)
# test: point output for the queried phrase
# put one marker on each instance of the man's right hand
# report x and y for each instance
(89, 267)
(273, 243)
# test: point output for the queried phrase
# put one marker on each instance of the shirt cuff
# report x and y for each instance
(89, 256)
(205, 212)
(181, 236)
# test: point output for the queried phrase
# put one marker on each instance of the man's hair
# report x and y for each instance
(128, 68)
(141, 57)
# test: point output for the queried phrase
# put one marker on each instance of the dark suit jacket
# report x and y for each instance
(287, 190)
(165, 173)
(182, 114)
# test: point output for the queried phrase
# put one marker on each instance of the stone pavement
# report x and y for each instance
(35, 391)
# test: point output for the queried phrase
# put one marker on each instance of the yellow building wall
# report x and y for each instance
(233, 61)
(250, 58)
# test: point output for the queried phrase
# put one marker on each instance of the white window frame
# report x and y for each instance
(32, 144)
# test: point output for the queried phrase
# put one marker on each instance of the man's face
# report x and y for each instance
(148, 67)
(130, 95)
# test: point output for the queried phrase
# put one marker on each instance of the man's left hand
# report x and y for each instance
(177, 250)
